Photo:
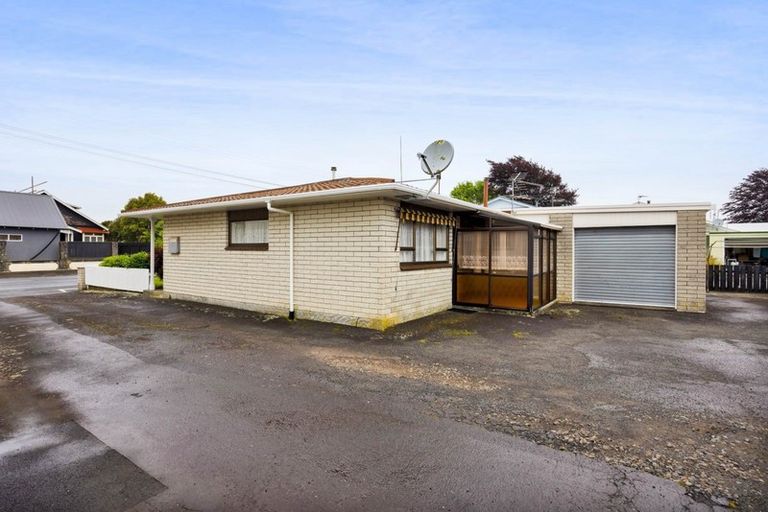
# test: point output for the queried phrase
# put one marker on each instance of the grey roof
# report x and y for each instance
(21, 210)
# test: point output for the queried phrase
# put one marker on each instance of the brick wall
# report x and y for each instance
(411, 294)
(564, 256)
(691, 261)
(346, 266)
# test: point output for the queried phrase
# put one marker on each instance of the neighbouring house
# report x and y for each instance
(638, 254)
(507, 203)
(732, 244)
(82, 227)
(372, 252)
(31, 226)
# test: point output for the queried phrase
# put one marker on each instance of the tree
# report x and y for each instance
(470, 191)
(551, 190)
(748, 201)
(124, 229)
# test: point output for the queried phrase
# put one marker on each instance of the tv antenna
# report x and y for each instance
(34, 187)
(435, 159)
(518, 179)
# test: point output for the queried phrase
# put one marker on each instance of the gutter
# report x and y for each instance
(341, 194)
(291, 310)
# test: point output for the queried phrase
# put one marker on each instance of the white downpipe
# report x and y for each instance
(291, 311)
(151, 253)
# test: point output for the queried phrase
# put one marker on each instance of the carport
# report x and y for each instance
(504, 263)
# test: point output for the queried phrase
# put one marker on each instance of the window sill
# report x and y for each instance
(425, 265)
(247, 247)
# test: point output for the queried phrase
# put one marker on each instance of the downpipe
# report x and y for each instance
(291, 310)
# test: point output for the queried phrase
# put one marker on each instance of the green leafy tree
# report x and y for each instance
(124, 229)
(537, 184)
(470, 191)
(748, 201)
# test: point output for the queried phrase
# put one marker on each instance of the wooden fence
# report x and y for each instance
(738, 278)
(79, 251)
(132, 247)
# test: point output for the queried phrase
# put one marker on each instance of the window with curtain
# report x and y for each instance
(248, 230)
(423, 243)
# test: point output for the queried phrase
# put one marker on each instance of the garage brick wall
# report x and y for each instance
(691, 261)
(564, 256)
(347, 268)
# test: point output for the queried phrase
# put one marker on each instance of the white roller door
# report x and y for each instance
(625, 265)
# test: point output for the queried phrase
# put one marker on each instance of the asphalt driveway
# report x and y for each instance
(38, 283)
(111, 402)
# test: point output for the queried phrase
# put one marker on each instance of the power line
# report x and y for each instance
(104, 149)
(113, 157)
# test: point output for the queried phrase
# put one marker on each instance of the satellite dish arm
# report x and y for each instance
(423, 158)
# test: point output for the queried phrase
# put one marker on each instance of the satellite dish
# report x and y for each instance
(436, 158)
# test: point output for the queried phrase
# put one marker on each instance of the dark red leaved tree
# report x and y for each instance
(748, 201)
(552, 192)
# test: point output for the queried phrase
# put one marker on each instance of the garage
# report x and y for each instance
(625, 265)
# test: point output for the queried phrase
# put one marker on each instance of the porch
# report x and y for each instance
(504, 264)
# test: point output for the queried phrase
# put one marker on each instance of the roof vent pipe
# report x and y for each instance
(333, 172)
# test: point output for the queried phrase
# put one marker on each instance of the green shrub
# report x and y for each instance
(139, 260)
(116, 261)
(136, 260)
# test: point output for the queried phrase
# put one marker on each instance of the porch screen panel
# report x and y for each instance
(510, 253)
(545, 267)
(536, 270)
(509, 269)
(472, 251)
(472, 254)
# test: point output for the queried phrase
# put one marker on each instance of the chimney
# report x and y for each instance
(333, 172)
(485, 192)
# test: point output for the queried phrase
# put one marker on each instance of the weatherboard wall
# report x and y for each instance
(40, 244)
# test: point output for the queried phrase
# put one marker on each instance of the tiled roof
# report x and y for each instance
(282, 191)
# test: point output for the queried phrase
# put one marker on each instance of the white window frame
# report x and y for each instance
(6, 237)
(93, 237)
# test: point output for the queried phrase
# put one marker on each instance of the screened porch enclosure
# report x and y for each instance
(505, 266)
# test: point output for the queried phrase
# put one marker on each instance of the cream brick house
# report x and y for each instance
(368, 252)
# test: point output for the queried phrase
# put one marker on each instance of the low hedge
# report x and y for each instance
(136, 260)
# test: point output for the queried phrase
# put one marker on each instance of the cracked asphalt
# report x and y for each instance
(117, 402)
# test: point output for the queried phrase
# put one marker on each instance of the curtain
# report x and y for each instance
(472, 249)
(425, 242)
(510, 252)
(249, 231)
(406, 240)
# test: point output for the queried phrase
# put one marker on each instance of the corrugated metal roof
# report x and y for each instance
(20, 210)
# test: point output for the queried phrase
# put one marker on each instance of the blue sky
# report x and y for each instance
(667, 99)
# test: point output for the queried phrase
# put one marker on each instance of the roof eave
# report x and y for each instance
(394, 189)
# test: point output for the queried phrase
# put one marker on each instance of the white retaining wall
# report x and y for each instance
(127, 279)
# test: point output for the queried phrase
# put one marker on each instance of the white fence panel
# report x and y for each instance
(128, 279)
